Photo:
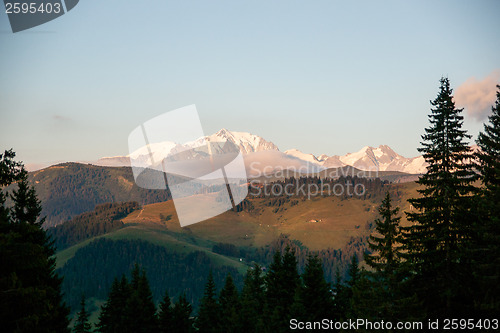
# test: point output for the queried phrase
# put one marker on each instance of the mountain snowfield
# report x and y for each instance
(260, 154)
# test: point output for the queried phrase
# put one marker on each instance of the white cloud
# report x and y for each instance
(478, 96)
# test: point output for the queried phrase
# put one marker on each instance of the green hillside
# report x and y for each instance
(157, 235)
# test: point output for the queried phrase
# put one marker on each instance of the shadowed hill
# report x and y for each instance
(69, 189)
(103, 219)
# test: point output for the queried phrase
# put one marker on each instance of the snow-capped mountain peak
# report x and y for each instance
(383, 158)
(247, 142)
(305, 157)
(322, 157)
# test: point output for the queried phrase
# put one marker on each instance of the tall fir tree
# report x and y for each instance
(386, 256)
(487, 249)
(165, 314)
(340, 297)
(314, 296)
(354, 271)
(381, 293)
(130, 306)
(10, 171)
(440, 233)
(113, 317)
(229, 307)
(378, 295)
(140, 310)
(252, 300)
(181, 316)
(82, 324)
(209, 312)
(30, 289)
(282, 282)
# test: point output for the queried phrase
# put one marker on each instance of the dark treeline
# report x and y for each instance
(94, 267)
(331, 259)
(30, 291)
(264, 303)
(105, 218)
(183, 273)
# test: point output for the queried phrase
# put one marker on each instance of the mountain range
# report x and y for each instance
(261, 155)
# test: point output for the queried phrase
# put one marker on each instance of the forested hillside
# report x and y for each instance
(94, 267)
(69, 189)
(103, 219)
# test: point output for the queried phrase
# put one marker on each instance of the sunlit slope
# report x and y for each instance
(319, 223)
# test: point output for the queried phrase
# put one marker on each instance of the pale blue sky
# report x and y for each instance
(320, 76)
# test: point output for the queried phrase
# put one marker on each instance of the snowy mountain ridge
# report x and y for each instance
(381, 158)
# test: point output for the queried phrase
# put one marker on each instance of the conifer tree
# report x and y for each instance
(353, 271)
(82, 324)
(386, 255)
(181, 316)
(209, 312)
(380, 293)
(30, 290)
(340, 297)
(229, 307)
(10, 170)
(489, 154)
(487, 248)
(112, 317)
(140, 310)
(282, 281)
(130, 306)
(315, 296)
(252, 300)
(354, 276)
(165, 314)
(437, 240)
(4, 212)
